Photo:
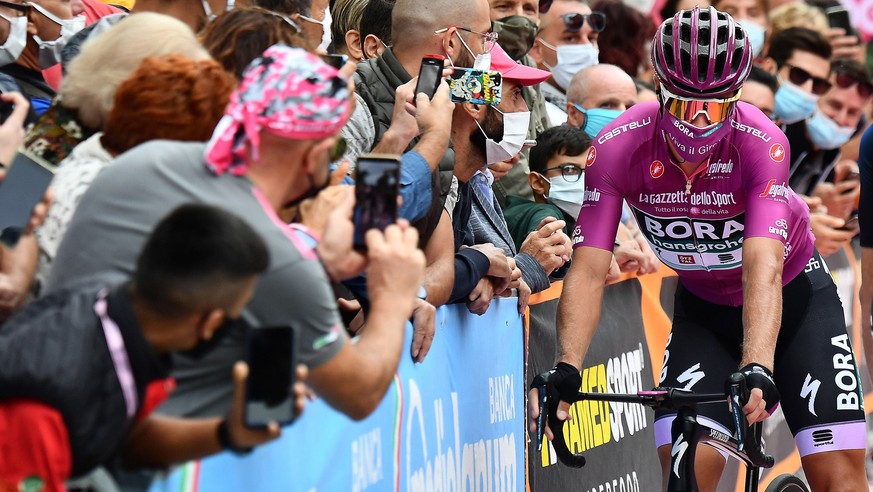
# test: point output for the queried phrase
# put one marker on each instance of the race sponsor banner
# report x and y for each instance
(454, 422)
(617, 439)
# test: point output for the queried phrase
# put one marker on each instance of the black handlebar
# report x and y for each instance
(658, 398)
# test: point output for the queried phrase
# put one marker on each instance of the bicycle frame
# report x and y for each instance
(687, 433)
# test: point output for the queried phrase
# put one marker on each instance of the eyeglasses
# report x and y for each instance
(489, 39)
(799, 76)
(570, 172)
(574, 21)
(21, 8)
(845, 80)
(338, 150)
(545, 5)
(715, 110)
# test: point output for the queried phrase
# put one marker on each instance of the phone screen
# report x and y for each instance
(23, 188)
(270, 356)
(377, 183)
(429, 76)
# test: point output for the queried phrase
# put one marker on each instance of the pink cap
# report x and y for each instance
(512, 70)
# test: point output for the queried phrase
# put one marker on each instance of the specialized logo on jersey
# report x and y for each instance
(777, 152)
(656, 169)
(684, 243)
(592, 156)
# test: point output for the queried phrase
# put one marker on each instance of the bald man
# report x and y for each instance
(597, 95)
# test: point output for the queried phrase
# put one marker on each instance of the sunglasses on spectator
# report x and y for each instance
(574, 21)
(489, 39)
(545, 5)
(570, 172)
(845, 80)
(20, 7)
(687, 110)
(799, 76)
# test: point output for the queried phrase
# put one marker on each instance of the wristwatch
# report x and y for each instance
(226, 443)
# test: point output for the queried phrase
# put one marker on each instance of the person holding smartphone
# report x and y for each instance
(66, 408)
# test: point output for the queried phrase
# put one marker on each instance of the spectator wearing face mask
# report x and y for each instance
(565, 44)
(49, 24)
(821, 171)
(752, 16)
(516, 24)
(799, 58)
(597, 95)
(376, 28)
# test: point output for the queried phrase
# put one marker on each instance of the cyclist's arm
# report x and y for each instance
(762, 301)
(579, 308)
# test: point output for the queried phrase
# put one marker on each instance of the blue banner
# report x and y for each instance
(454, 422)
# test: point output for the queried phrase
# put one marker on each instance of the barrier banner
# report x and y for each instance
(452, 423)
(617, 439)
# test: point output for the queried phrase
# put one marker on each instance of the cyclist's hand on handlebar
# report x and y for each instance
(763, 395)
(564, 382)
(533, 413)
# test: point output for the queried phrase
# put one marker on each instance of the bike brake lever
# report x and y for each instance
(541, 418)
(737, 391)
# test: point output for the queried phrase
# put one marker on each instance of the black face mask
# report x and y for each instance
(206, 346)
(516, 35)
(313, 191)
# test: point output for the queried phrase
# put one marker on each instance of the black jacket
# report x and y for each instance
(55, 352)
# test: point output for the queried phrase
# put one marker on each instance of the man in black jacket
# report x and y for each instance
(82, 369)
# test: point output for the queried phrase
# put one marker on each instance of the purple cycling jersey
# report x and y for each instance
(696, 224)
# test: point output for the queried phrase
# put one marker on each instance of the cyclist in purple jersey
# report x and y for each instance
(706, 177)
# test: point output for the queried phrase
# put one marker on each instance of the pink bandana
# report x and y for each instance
(288, 92)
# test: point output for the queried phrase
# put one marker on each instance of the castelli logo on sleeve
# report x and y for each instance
(592, 156)
(777, 152)
(656, 169)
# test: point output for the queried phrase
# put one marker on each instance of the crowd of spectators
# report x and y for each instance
(203, 146)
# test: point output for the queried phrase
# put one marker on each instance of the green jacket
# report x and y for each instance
(523, 216)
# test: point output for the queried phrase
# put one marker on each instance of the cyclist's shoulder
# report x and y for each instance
(752, 130)
(632, 128)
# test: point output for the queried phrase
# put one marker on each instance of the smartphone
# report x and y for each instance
(851, 224)
(21, 190)
(377, 184)
(271, 356)
(336, 61)
(838, 16)
(6, 109)
(476, 86)
(429, 75)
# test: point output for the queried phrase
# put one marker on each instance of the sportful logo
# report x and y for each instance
(823, 437)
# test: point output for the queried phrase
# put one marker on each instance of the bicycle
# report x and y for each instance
(686, 432)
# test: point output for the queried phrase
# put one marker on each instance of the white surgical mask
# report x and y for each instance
(515, 127)
(50, 51)
(481, 61)
(325, 29)
(566, 195)
(571, 59)
(825, 133)
(15, 42)
(755, 32)
(794, 104)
